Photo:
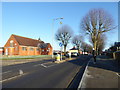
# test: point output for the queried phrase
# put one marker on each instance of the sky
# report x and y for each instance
(34, 19)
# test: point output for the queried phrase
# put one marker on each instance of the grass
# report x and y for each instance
(24, 57)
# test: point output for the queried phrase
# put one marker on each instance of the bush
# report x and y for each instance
(110, 54)
(117, 56)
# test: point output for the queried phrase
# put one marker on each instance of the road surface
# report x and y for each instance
(42, 74)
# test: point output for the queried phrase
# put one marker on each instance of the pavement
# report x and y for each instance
(103, 74)
(20, 61)
(42, 74)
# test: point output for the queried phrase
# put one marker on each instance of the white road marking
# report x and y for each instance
(118, 74)
(52, 65)
(20, 72)
(5, 72)
(37, 65)
(43, 65)
(11, 78)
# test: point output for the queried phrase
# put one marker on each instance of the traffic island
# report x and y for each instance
(103, 74)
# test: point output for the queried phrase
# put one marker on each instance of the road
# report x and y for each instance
(42, 74)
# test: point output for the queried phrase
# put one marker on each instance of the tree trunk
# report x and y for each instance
(64, 49)
(95, 46)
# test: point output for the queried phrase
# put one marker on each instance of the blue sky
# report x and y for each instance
(34, 19)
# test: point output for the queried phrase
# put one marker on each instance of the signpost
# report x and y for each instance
(60, 44)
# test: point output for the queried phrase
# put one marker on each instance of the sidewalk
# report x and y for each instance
(20, 61)
(103, 74)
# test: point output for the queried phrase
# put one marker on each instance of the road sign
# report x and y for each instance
(60, 44)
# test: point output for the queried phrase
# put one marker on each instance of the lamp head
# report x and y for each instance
(61, 18)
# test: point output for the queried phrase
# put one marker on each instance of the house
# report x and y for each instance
(18, 45)
(75, 50)
(114, 48)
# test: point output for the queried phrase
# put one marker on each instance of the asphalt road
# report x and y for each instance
(42, 74)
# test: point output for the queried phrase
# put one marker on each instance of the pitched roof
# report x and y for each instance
(26, 41)
(73, 48)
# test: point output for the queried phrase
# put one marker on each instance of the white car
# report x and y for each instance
(74, 54)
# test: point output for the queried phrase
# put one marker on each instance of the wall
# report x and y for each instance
(11, 50)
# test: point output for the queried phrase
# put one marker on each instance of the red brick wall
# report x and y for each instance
(22, 52)
(50, 50)
(47, 51)
(17, 49)
(12, 50)
(28, 51)
(37, 52)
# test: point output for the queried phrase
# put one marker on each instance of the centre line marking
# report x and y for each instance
(52, 65)
(43, 65)
(11, 78)
(37, 65)
(118, 74)
(5, 72)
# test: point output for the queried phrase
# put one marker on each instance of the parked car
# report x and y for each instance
(74, 54)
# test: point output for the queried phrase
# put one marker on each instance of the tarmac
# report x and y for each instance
(103, 74)
(20, 61)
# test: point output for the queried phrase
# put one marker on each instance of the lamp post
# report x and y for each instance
(53, 32)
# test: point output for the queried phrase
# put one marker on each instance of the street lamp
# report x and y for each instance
(53, 32)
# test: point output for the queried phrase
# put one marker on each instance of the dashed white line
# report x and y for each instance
(118, 74)
(11, 78)
(52, 65)
(37, 65)
(43, 65)
(5, 72)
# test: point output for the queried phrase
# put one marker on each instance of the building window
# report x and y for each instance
(24, 48)
(16, 48)
(43, 50)
(31, 49)
(37, 49)
(11, 43)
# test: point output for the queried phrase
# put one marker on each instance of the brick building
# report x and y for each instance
(18, 45)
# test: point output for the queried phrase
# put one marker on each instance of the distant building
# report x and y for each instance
(116, 47)
(18, 45)
(75, 50)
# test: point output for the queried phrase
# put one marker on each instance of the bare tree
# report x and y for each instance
(86, 47)
(77, 40)
(101, 43)
(64, 35)
(96, 22)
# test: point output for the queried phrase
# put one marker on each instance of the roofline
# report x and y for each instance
(26, 46)
(24, 37)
